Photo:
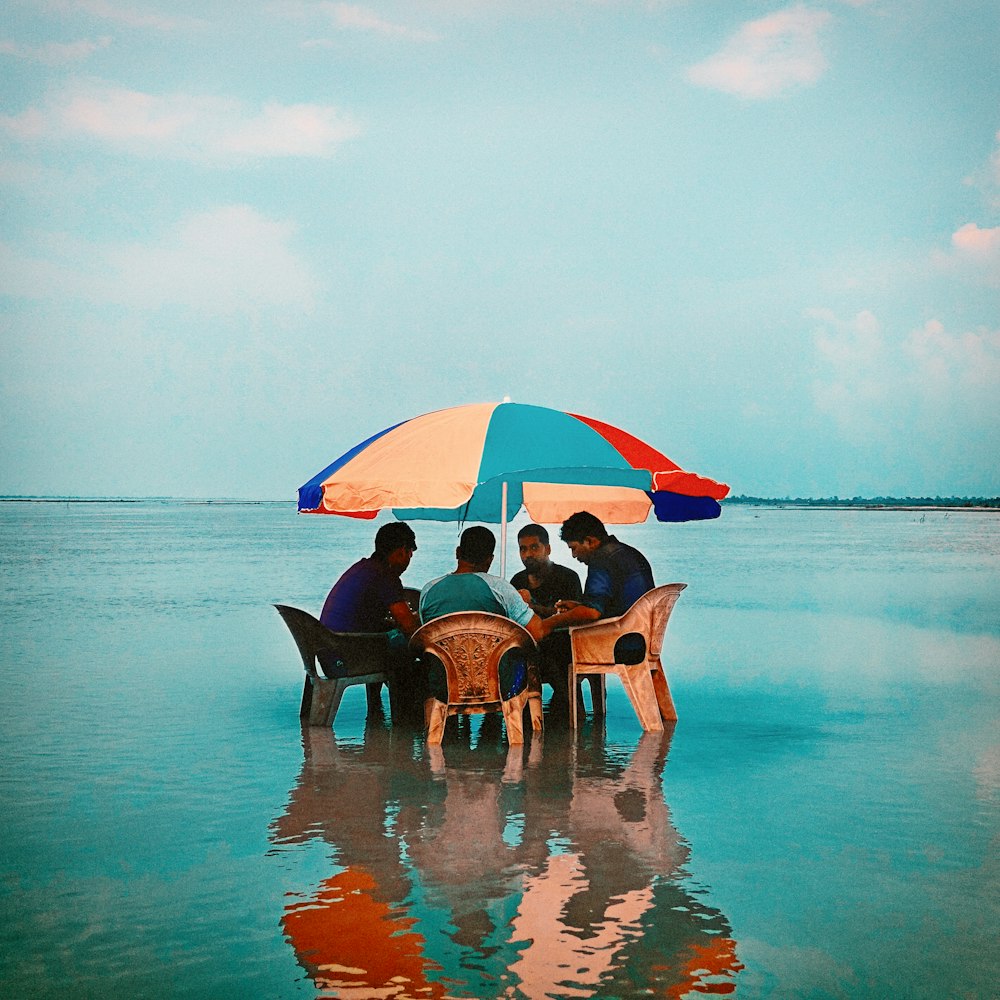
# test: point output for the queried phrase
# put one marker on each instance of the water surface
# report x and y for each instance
(822, 821)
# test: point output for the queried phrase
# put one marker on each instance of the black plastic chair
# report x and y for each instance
(334, 661)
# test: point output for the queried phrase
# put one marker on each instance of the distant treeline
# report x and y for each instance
(866, 501)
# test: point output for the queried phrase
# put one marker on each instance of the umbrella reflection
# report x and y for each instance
(545, 870)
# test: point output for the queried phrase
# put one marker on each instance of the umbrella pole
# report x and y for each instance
(503, 530)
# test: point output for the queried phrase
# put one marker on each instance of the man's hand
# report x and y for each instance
(566, 605)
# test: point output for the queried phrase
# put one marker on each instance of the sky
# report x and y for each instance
(238, 238)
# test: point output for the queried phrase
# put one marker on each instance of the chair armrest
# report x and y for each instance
(595, 643)
(361, 652)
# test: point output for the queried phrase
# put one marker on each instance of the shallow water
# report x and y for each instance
(822, 822)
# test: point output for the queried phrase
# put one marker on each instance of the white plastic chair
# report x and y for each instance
(628, 646)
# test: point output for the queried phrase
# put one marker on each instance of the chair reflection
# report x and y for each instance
(543, 870)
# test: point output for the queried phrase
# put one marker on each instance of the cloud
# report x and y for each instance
(181, 126)
(227, 260)
(55, 53)
(131, 16)
(974, 254)
(768, 56)
(345, 15)
(987, 177)
(931, 387)
(977, 244)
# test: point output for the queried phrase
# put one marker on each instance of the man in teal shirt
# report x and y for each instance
(471, 587)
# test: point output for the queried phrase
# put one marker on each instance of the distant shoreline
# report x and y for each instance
(871, 503)
(160, 500)
(971, 508)
(973, 504)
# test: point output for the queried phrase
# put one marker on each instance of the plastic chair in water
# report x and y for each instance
(478, 662)
(628, 646)
(334, 661)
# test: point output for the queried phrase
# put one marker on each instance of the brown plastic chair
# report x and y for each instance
(334, 661)
(628, 646)
(470, 646)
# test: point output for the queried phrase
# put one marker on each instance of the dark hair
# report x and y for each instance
(582, 525)
(534, 529)
(394, 535)
(477, 544)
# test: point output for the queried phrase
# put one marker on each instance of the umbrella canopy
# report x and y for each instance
(485, 461)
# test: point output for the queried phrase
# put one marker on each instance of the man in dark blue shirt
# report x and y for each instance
(617, 576)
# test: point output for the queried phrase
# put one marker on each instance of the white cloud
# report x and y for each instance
(977, 244)
(932, 387)
(227, 260)
(55, 53)
(181, 126)
(348, 17)
(345, 15)
(974, 255)
(130, 16)
(768, 56)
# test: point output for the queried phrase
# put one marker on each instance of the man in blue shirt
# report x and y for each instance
(617, 576)
(369, 596)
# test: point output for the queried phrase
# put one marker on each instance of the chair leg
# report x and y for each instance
(305, 709)
(639, 687)
(337, 689)
(664, 699)
(571, 696)
(535, 711)
(535, 699)
(599, 694)
(513, 717)
(437, 715)
(319, 702)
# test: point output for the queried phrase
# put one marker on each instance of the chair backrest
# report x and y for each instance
(470, 645)
(650, 614)
(348, 652)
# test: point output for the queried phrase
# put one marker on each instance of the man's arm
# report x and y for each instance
(536, 628)
(404, 618)
(579, 614)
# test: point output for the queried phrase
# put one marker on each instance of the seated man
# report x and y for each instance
(542, 582)
(369, 595)
(617, 576)
(471, 587)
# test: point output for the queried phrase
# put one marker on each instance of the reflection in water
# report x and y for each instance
(545, 870)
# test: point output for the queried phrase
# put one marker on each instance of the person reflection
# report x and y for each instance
(605, 912)
(353, 935)
(551, 869)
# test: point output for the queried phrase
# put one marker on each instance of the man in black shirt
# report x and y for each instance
(542, 582)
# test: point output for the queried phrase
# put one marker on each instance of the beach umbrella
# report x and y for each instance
(485, 461)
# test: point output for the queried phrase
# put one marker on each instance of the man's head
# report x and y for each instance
(533, 544)
(584, 534)
(395, 544)
(476, 547)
